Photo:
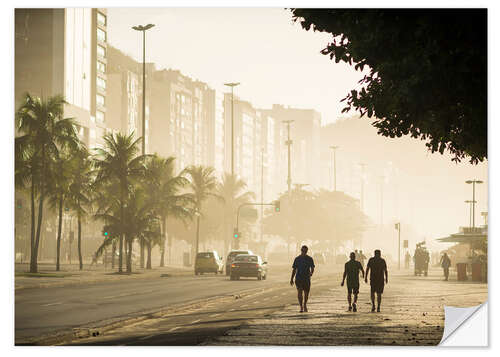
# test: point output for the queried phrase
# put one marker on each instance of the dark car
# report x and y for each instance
(248, 265)
(232, 254)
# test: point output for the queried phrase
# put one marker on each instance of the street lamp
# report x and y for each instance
(143, 29)
(334, 149)
(470, 211)
(361, 198)
(289, 144)
(473, 182)
(232, 85)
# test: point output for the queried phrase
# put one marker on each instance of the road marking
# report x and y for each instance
(214, 315)
(195, 321)
(231, 309)
(275, 296)
(255, 302)
(174, 328)
(244, 305)
(146, 337)
(54, 303)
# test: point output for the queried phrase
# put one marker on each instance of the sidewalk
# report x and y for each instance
(412, 314)
(71, 275)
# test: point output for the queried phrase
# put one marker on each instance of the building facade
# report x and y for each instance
(64, 51)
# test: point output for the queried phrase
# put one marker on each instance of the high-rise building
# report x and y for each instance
(64, 51)
(124, 100)
(305, 134)
(182, 114)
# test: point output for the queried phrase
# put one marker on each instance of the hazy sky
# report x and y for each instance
(275, 60)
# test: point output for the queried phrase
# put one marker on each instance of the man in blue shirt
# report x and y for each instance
(302, 270)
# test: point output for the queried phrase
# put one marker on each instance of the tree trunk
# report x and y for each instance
(197, 233)
(34, 254)
(129, 256)
(148, 264)
(163, 226)
(113, 253)
(32, 246)
(142, 252)
(80, 241)
(59, 231)
(120, 257)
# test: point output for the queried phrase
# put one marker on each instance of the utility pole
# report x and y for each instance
(398, 227)
(473, 182)
(382, 178)
(361, 199)
(334, 149)
(262, 195)
(232, 85)
(470, 212)
(289, 180)
(143, 29)
(289, 144)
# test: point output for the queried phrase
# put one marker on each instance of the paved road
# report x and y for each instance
(45, 311)
(412, 314)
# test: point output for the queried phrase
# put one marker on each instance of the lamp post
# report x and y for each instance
(398, 227)
(232, 85)
(143, 29)
(289, 144)
(473, 182)
(334, 149)
(470, 212)
(361, 198)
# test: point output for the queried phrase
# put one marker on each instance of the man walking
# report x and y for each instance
(378, 269)
(302, 270)
(351, 271)
(445, 264)
(362, 258)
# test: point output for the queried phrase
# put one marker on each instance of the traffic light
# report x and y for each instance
(236, 234)
(277, 205)
(19, 203)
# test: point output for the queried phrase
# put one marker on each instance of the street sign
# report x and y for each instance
(405, 243)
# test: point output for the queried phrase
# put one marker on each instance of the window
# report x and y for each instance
(101, 19)
(101, 35)
(101, 51)
(101, 83)
(100, 100)
(99, 116)
(101, 67)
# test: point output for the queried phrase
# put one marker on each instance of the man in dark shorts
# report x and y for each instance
(351, 271)
(378, 269)
(302, 270)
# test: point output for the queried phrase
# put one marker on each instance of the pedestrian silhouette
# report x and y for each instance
(445, 264)
(351, 271)
(378, 269)
(302, 270)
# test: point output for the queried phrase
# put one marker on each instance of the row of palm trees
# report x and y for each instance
(133, 195)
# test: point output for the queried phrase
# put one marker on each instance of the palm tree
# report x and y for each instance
(80, 190)
(163, 186)
(232, 190)
(43, 133)
(203, 184)
(119, 162)
(58, 191)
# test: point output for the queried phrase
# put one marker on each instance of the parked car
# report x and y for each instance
(208, 262)
(248, 265)
(231, 256)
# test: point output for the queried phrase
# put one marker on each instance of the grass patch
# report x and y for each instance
(43, 275)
